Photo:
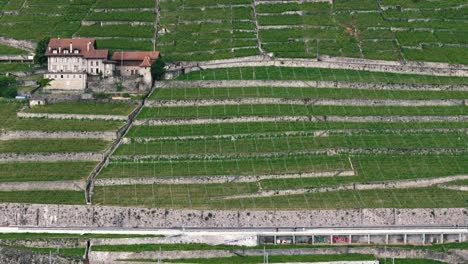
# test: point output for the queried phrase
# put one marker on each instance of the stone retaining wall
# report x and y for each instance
(309, 84)
(71, 116)
(20, 44)
(17, 256)
(108, 216)
(424, 68)
(40, 157)
(11, 135)
(106, 257)
(216, 179)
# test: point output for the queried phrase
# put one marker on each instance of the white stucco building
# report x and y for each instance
(70, 61)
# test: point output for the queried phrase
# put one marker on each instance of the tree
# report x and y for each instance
(44, 82)
(157, 69)
(7, 87)
(41, 49)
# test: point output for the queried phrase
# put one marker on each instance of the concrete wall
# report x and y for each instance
(107, 216)
(16, 256)
(425, 68)
(66, 81)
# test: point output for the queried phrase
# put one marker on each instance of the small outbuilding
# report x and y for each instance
(131, 63)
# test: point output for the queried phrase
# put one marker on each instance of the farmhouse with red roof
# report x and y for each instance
(71, 61)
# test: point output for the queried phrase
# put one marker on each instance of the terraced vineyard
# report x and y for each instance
(206, 30)
(297, 144)
(48, 159)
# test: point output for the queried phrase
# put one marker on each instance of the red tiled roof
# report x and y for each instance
(146, 62)
(85, 47)
(135, 55)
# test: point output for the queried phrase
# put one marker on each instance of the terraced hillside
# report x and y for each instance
(206, 30)
(307, 141)
(46, 155)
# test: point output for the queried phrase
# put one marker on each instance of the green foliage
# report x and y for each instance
(158, 70)
(41, 49)
(44, 82)
(7, 87)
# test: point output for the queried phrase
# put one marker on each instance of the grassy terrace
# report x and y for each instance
(43, 197)
(276, 259)
(195, 246)
(9, 121)
(285, 144)
(298, 92)
(15, 67)
(206, 197)
(217, 111)
(53, 145)
(315, 74)
(276, 127)
(8, 50)
(376, 167)
(45, 171)
(84, 108)
(213, 167)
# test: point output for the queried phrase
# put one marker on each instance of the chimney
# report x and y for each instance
(71, 47)
(60, 49)
(89, 44)
(50, 48)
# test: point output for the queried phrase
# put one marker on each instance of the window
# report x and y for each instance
(56, 60)
(61, 76)
(54, 68)
(76, 68)
(91, 63)
(97, 63)
(65, 67)
(55, 76)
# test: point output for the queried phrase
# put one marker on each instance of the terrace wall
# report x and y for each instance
(425, 68)
(16, 256)
(107, 216)
(310, 84)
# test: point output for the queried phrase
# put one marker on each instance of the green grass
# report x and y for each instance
(218, 111)
(43, 197)
(71, 252)
(285, 73)
(9, 121)
(213, 167)
(209, 129)
(84, 108)
(15, 67)
(53, 145)
(286, 144)
(384, 167)
(8, 50)
(45, 171)
(272, 259)
(298, 92)
(205, 197)
(196, 246)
